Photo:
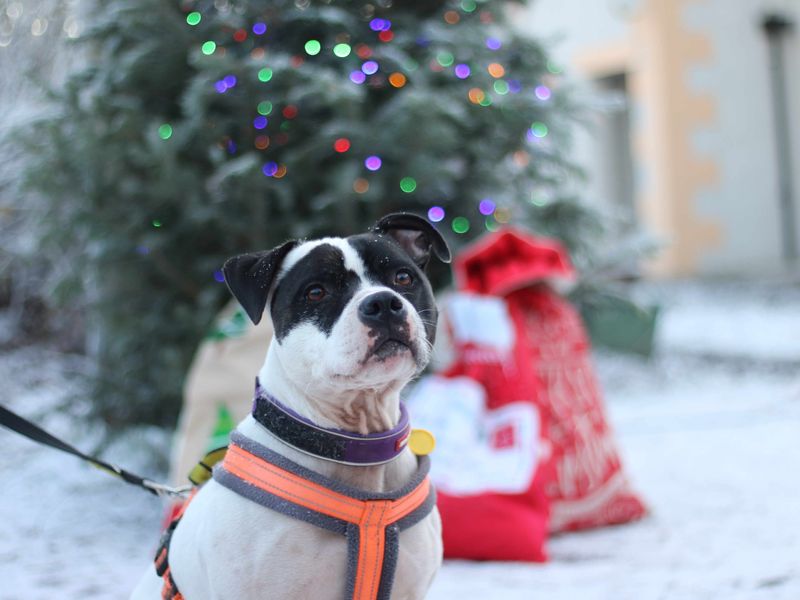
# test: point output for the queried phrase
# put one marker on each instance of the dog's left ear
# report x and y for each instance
(415, 235)
(249, 277)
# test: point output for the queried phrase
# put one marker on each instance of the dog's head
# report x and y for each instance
(348, 313)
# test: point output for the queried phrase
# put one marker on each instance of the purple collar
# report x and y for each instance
(330, 444)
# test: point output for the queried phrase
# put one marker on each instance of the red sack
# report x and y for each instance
(548, 365)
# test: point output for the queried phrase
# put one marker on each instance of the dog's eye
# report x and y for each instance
(403, 278)
(315, 293)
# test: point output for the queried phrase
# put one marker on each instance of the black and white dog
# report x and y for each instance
(354, 321)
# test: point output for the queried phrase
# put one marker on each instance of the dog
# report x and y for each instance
(354, 321)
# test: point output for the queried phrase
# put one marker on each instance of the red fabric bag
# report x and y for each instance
(545, 362)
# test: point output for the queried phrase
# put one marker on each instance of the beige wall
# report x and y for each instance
(701, 127)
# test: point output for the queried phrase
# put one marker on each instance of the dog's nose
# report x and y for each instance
(381, 307)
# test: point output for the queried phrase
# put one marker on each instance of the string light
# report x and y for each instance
(265, 74)
(397, 80)
(165, 131)
(342, 50)
(193, 18)
(460, 225)
(313, 47)
(208, 48)
(435, 214)
(259, 28)
(373, 163)
(341, 145)
(462, 71)
(408, 184)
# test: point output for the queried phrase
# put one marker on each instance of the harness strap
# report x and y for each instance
(370, 522)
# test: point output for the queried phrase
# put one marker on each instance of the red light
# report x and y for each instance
(386, 36)
(290, 112)
(341, 145)
(240, 35)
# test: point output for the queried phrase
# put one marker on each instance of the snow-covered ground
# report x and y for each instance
(709, 429)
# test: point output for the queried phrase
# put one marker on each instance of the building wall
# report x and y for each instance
(702, 130)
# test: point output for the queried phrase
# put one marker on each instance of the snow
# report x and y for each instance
(709, 430)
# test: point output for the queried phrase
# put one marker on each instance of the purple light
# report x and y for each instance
(358, 77)
(542, 92)
(230, 80)
(259, 28)
(462, 71)
(231, 146)
(376, 24)
(514, 86)
(220, 86)
(486, 207)
(260, 122)
(219, 277)
(143, 250)
(435, 214)
(532, 138)
(493, 43)
(373, 163)
(369, 67)
(270, 168)
(386, 25)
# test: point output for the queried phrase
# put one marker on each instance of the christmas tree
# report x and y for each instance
(202, 129)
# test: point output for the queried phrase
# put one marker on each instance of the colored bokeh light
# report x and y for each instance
(270, 168)
(514, 86)
(373, 163)
(260, 122)
(259, 28)
(468, 6)
(219, 277)
(486, 206)
(408, 184)
(502, 215)
(262, 142)
(265, 74)
(539, 129)
(491, 224)
(156, 223)
(358, 77)
(313, 47)
(360, 186)
(342, 50)
(493, 43)
(397, 80)
(445, 59)
(542, 92)
(460, 225)
(290, 111)
(193, 18)
(386, 36)
(435, 214)
(208, 48)
(462, 71)
(165, 131)
(451, 17)
(341, 145)
(264, 107)
(496, 70)
(370, 67)
(501, 87)
(476, 95)
(380, 24)
(240, 35)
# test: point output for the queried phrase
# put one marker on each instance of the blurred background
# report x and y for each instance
(142, 143)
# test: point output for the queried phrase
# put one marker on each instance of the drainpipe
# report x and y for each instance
(776, 27)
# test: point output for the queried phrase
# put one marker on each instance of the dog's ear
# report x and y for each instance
(249, 277)
(415, 235)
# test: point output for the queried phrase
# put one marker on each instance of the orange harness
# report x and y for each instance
(371, 522)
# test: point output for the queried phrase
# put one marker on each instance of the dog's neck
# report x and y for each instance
(362, 412)
(367, 410)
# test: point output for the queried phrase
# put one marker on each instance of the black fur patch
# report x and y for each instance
(383, 258)
(324, 266)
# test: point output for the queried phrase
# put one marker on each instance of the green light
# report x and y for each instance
(486, 101)
(408, 184)
(193, 18)
(313, 47)
(553, 68)
(165, 131)
(156, 223)
(491, 224)
(264, 108)
(341, 50)
(286, 126)
(460, 225)
(265, 74)
(445, 59)
(501, 87)
(538, 200)
(468, 6)
(411, 65)
(208, 47)
(539, 129)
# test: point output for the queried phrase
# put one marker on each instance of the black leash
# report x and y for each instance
(14, 422)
